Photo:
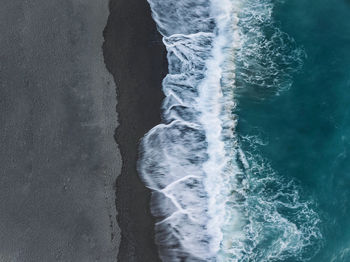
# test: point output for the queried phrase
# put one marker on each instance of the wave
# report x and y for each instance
(268, 57)
(212, 201)
(342, 255)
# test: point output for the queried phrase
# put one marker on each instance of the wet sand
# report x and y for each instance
(136, 57)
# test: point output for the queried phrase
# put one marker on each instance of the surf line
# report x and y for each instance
(190, 161)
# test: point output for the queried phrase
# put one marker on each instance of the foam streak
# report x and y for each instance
(210, 201)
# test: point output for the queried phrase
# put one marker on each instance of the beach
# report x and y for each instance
(136, 57)
(226, 140)
(59, 160)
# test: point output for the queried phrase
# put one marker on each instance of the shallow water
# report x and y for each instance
(250, 163)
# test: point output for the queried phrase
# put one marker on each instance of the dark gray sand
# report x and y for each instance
(136, 57)
(58, 158)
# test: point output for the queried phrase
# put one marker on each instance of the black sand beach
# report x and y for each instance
(58, 158)
(136, 57)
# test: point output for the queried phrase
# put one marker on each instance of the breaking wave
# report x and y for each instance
(212, 200)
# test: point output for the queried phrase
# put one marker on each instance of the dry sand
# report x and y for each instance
(59, 160)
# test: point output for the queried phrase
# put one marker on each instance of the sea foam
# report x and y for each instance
(212, 201)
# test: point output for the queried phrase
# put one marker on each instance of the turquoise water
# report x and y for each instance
(304, 132)
(250, 160)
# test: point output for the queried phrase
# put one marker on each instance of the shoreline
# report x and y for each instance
(136, 57)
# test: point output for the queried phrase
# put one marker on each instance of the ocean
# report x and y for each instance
(250, 161)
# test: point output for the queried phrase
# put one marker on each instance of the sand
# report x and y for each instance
(136, 57)
(59, 160)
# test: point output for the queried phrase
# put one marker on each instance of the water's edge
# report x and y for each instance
(135, 57)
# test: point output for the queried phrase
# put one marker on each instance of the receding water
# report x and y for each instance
(250, 162)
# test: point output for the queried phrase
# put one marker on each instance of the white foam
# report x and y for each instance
(209, 196)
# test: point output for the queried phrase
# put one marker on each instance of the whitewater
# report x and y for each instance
(214, 201)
